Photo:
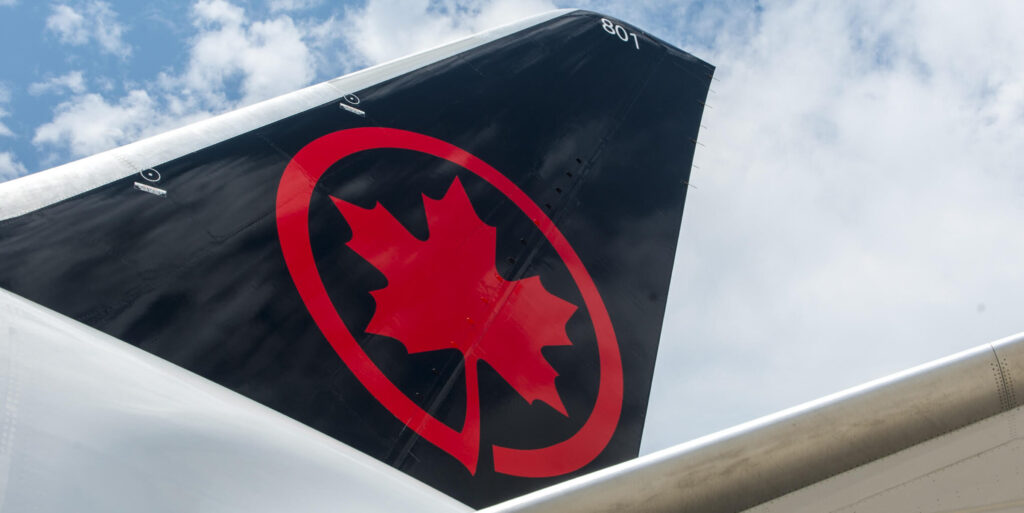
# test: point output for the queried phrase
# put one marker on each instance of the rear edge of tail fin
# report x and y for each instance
(461, 270)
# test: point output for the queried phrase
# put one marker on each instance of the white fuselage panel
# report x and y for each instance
(91, 424)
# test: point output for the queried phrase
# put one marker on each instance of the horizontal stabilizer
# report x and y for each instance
(944, 437)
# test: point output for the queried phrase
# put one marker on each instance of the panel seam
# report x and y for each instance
(1004, 381)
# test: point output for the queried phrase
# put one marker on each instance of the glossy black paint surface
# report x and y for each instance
(594, 130)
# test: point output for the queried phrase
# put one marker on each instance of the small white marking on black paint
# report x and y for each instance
(150, 189)
(151, 175)
(353, 110)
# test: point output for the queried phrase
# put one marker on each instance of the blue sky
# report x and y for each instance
(60, 44)
(857, 208)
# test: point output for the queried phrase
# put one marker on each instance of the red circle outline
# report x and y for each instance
(294, 194)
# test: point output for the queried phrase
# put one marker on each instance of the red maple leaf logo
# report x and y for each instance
(445, 293)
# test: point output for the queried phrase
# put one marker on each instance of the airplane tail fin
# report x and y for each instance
(456, 263)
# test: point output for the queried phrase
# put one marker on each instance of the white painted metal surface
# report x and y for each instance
(979, 468)
(37, 190)
(91, 424)
(943, 435)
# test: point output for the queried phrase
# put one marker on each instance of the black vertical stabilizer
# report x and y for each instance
(461, 271)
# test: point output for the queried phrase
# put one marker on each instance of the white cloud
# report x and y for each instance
(233, 61)
(270, 57)
(68, 24)
(219, 12)
(856, 211)
(73, 81)
(5, 97)
(10, 168)
(6, 3)
(89, 124)
(91, 21)
(382, 30)
(292, 5)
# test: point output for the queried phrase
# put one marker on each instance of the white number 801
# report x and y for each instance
(618, 30)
